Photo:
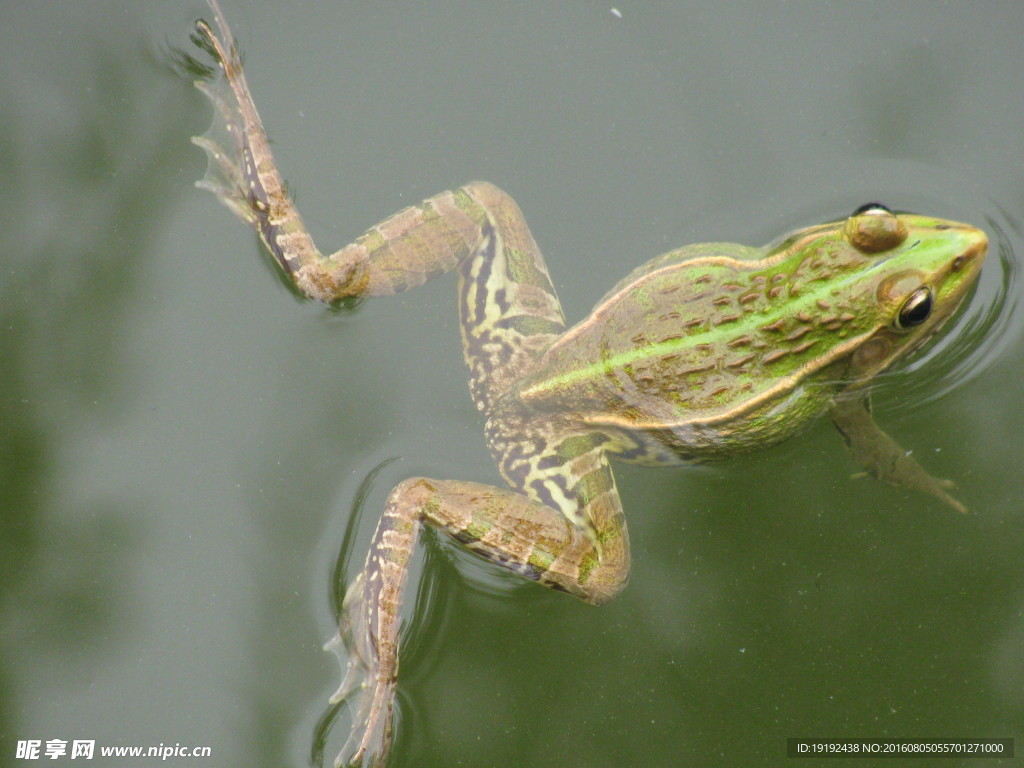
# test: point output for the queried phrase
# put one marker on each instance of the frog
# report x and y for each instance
(708, 351)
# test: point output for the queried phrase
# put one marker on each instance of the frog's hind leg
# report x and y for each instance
(507, 303)
(402, 252)
(508, 528)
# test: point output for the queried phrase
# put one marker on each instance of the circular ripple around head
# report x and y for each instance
(977, 336)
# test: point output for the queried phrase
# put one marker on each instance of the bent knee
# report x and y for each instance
(604, 585)
(593, 582)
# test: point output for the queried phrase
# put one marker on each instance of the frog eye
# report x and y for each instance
(915, 310)
(873, 228)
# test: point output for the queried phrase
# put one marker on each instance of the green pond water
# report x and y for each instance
(182, 443)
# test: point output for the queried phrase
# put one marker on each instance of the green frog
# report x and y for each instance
(705, 352)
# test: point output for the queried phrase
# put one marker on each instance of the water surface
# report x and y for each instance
(182, 442)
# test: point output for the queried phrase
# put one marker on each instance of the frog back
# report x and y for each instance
(712, 348)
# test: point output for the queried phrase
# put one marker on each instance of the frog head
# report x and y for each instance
(914, 273)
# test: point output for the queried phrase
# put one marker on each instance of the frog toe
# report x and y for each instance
(369, 744)
(950, 501)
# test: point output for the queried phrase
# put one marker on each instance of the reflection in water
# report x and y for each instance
(87, 197)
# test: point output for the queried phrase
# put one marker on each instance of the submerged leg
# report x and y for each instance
(505, 527)
(880, 455)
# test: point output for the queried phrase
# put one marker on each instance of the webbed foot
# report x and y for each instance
(224, 141)
(368, 686)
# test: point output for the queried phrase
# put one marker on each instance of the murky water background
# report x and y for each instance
(181, 442)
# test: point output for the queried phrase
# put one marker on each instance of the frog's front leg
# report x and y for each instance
(880, 455)
(526, 536)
